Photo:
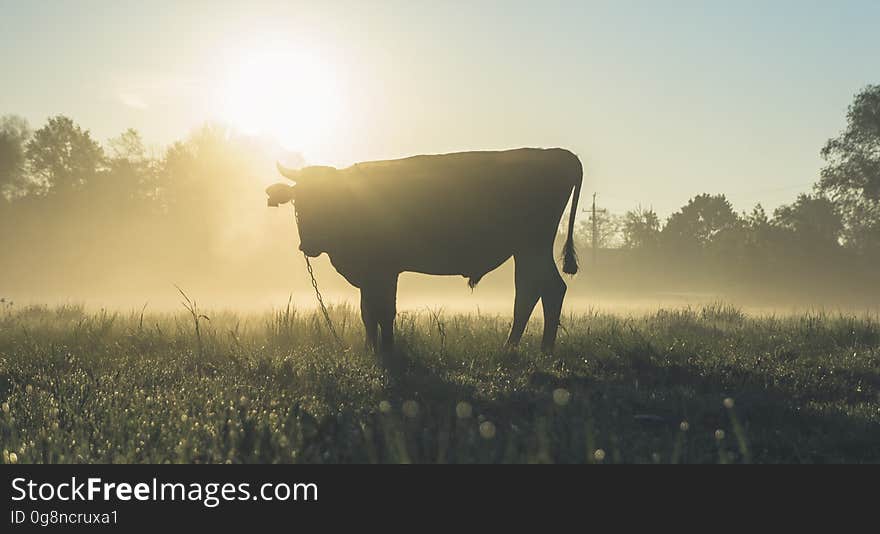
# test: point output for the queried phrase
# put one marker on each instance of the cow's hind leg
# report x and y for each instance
(551, 298)
(527, 278)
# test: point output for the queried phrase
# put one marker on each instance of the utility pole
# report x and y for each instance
(595, 222)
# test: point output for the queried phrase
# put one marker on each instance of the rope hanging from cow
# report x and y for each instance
(320, 299)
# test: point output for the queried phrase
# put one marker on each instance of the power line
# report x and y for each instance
(594, 220)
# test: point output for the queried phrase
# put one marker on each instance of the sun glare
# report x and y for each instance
(290, 95)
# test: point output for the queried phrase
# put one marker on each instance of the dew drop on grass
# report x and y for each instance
(411, 408)
(487, 430)
(561, 396)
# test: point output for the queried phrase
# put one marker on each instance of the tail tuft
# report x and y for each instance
(569, 257)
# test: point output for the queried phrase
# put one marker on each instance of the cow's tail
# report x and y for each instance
(569, 254)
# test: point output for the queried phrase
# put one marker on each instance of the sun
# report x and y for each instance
(288, 94)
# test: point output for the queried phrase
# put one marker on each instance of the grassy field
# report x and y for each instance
(703, 385)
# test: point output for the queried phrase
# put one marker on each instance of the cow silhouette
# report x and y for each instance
(451, 214)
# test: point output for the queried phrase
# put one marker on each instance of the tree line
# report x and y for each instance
(827, 239)
(70, 204)
(119, 217)
(843, 211)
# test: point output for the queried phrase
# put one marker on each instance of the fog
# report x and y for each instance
(116, 225)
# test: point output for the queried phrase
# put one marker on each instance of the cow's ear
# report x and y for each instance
(290, 174)
(280, 194)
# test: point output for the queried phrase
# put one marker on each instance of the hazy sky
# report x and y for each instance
(661, 99)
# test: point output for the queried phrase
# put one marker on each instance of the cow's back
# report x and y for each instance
(461, 213)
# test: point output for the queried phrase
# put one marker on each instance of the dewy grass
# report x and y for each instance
(676, 386)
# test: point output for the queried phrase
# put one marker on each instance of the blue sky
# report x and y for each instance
(662, 100)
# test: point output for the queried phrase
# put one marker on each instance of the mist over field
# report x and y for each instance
(119, 225)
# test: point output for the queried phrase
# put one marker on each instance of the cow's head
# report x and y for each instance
(312, 193)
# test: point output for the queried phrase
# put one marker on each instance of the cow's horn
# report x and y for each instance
(290, 174)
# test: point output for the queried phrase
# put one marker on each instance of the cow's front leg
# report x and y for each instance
(379, 306)
(371, 321)
(387, 313)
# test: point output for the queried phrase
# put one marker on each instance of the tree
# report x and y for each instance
(699, 223)
(607, 230)
(851, 176)
(757, 218)
(14, 133)
(128, 148)
(762, 242)
(63, 156)
(761, 234)
(131, 172)
(641, 229)
(813, 220)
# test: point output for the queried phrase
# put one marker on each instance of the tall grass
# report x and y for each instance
(699, 385)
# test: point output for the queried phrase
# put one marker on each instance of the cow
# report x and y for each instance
(451, 214)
